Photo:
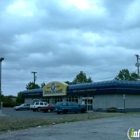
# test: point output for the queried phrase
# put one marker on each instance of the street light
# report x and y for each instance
(1, 59)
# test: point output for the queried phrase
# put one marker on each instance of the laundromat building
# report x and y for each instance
(96, 96)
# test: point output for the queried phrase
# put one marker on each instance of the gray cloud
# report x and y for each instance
(58, 40)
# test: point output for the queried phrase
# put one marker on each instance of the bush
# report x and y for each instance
(112, 109)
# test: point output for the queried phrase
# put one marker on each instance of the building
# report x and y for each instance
(96, 96)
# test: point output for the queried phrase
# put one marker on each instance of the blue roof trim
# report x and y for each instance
(104, 87)
(111, 83)
(33, 90)
(32, 93)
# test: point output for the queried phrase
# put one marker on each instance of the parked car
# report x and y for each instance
(22, 107)
(36, 106)
(48, 108)
(65, 107)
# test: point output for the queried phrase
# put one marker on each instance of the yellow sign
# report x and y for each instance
(55, 88)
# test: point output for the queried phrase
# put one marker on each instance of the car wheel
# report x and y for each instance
(49, 110)
(83, 111)
(65, 111)
(38, 109)
(58, 112)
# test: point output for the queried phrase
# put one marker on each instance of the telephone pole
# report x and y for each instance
(138, 64)
(1, 59)
(34, 77)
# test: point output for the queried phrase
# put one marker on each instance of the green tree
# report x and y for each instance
(43, 84)
(68, 82)
(126, 75)
(31, 85)
(82, 78)
(19, 98)
(134, 76)
(8, 101)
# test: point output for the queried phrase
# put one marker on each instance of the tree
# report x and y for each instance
(9, 101)
(68, 82)
(31, 85)
(19, 98)
(126, 75)
(134, 76)
(82, 78)
(43, 84)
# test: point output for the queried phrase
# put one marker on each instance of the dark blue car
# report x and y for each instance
(65, 107)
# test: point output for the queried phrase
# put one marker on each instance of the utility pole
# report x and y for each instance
(138, 64)
(1, 59)
(34, 77)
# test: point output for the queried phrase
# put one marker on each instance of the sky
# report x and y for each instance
(59, 38)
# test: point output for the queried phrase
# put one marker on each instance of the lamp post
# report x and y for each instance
(1, 59)
(124, 102)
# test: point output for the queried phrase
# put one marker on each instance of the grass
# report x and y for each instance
(13, 124)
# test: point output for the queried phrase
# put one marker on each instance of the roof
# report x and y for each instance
(111, 83)
(103, 87)
(33, 90)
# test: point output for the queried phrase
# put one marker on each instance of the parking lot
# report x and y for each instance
(114, 128)
(10, 112)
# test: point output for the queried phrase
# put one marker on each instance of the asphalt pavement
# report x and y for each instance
(11, 113)
(114, 128)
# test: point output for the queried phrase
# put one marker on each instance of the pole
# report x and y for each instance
(1, 59)
(124, 102)
(34, 77)
(137, 64)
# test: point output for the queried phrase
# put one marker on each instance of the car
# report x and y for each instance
(65, 107)
(22, 107)
(48, 108)
(36, 106)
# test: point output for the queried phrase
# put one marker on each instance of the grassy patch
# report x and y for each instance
(12, 124)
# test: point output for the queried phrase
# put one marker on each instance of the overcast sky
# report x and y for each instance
(59, 38)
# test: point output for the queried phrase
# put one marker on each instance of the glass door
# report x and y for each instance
(88, 102)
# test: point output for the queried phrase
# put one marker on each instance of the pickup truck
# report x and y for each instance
(37, 105)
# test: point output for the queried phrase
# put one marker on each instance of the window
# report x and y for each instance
(47, 99)
(72, 99)
(41, 103)
(37, 103)
(58, 99)
(70, 104)
(64, 104)
(75, 104)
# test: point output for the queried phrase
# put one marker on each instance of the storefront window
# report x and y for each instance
(58, 99)
(72, 99)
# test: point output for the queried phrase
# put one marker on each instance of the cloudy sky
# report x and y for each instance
(59, 38)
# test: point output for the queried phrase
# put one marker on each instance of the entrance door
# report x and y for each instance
(88, 102)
